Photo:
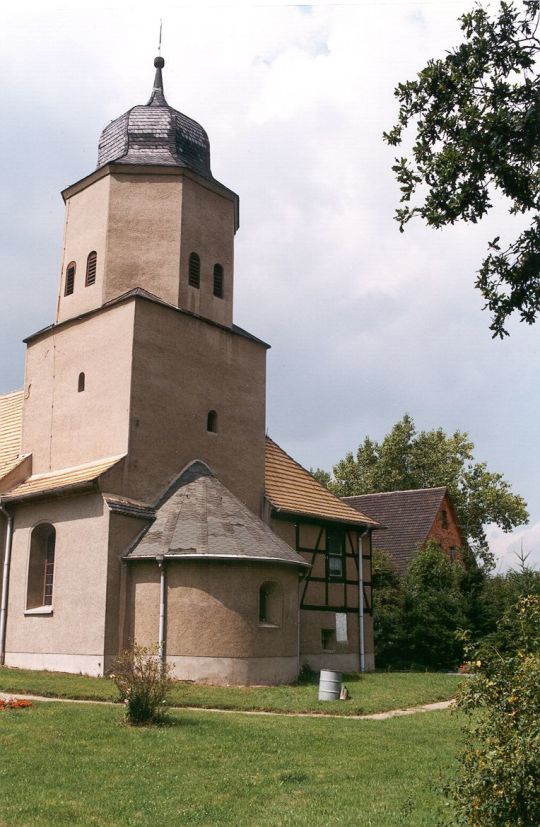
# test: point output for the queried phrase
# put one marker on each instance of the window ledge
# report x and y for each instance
(40, 610)
(269, 626)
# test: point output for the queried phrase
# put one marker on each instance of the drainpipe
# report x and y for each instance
(162, 587)
(5, 581)
(361, 601)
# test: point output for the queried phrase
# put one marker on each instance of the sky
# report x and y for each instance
(365, 323)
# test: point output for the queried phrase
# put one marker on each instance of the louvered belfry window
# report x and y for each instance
(218, 281)
(70, 278)
(194, 277)
(91, 264)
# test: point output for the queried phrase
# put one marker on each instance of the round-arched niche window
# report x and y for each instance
(212, 422)
(270, 603)
(41, 567)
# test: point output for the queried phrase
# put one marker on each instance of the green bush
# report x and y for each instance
(433, 610)
(143, 682)
(498, 784)
(387, 610)
(416, 616)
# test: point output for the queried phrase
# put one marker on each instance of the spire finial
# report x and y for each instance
(157, 98)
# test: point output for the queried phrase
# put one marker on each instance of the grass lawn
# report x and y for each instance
(372, 692)
(65, 764)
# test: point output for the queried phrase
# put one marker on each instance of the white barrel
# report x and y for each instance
(329, 685)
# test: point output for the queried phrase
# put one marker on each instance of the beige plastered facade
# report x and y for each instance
(144, 223)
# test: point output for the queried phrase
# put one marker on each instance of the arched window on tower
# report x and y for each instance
(212, 422)
(194, 274)
(81, 382)
(41, 567)
(91, 265)
(70, 278)
(218, 281)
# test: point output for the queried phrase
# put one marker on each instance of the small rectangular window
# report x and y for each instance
(334, 549)
(328, 639)
(335, 565)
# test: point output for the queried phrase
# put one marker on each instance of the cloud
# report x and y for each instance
(364, 323)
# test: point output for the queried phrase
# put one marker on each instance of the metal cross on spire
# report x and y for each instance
(157, 98)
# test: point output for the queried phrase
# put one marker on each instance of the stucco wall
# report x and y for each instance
(143, 224)
(85, 230)
(71, 638)
(207, 229)
(213, 631)
(62, 427)
(183, 368)
(143, 242)
(123, 530)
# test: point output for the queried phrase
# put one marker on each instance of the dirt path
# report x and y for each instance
(374, 716)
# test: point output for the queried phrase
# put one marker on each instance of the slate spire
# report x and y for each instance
(156, 134)
(157, 98)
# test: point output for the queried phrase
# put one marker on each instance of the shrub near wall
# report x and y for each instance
(498, 784)
(143, 682)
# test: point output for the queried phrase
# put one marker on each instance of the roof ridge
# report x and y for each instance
(82, 465)
(396, 491)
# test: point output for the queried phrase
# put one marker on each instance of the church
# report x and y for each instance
(140, 497)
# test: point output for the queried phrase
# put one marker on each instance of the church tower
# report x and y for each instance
(143, 360)
(132, 463)
(154, 216)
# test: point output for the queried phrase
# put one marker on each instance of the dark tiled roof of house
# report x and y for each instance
(407, 516)
(293, 490)
(199, 518)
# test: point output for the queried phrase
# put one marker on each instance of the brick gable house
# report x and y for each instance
(409, 519)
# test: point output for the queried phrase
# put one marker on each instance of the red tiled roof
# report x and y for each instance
(293, 490)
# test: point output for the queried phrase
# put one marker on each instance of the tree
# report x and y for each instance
(433, 610)
(409, 459)
(498, 783)
(476, 119)
(416, 618)
(387, 610)
(498, 600)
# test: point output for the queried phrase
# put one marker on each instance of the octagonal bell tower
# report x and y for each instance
(151, 217)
